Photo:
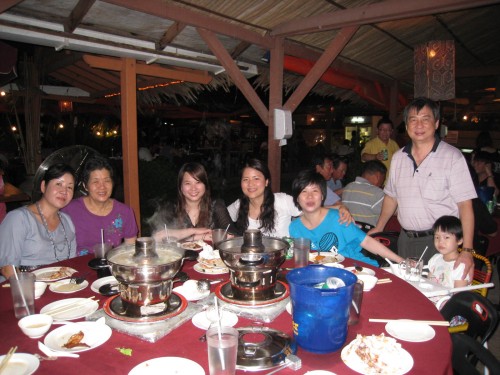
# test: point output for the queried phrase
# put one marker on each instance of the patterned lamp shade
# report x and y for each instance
(435, 70)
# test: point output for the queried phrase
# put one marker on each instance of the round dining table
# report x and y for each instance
(393, 300)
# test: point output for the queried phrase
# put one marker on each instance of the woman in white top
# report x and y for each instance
(260, 208)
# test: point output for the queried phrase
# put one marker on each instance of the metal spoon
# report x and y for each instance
(204, 284)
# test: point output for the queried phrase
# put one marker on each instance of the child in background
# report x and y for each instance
(448, 236)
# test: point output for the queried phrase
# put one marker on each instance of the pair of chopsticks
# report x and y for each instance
(384, 281)
(429, 322)
(7, 358)
(69, 307)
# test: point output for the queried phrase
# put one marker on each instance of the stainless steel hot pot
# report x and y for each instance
(253, 261)
(145, 270)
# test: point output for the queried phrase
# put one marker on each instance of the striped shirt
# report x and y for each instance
(364, 200)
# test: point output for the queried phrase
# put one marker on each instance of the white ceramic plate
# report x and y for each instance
(403, 360)
(334, 265)
(83, 307)
(319, 372)
(228, 319)
(191, 294)
(328, 257)
(409, 330)
(170, 365)
(94, 335)
(20, 364)
(102, 281)
(65, 287)
(364, 271)
(288, 307)
(198, 267)
(192, 245)
(49, 273)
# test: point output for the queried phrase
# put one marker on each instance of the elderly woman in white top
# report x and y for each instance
(40, 234)
(260, 208)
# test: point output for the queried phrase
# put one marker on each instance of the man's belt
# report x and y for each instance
(418, 233)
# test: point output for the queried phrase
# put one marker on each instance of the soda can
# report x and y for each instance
(491, 206)
(385, 154)
(289, 253)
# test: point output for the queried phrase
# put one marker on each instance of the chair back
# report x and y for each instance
(481, 314)
(480, 276)
(467, 352)
(365, 227)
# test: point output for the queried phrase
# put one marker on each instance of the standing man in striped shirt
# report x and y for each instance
(428, 178)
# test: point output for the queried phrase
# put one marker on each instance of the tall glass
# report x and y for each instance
(222, 350)
(23, 294)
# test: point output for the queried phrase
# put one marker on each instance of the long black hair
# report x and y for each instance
(198, 172)
(267, 211)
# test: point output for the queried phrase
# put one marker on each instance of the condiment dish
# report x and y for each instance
(369, 282)
(40, 287)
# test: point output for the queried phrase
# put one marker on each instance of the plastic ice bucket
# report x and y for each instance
(320, 315)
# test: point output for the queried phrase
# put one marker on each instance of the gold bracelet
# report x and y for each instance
(469, 250)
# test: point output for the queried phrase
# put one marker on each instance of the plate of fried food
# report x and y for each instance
(78, 337)
(325, 257)
(193, 245)
(376, 354)
(53, 273)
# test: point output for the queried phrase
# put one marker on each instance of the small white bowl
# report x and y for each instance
(369, 282)
(40, 287)
(36, 325)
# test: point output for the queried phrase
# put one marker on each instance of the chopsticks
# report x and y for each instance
(429, 322)
(7, 358)
(69, 307)
(384, 281)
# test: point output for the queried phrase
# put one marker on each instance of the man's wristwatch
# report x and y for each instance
(469, 250)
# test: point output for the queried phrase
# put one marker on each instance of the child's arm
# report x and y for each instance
(460, 283)
(377, 248)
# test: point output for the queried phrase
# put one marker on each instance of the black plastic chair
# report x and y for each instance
(481, 314)
(389, 239)
(467, 352)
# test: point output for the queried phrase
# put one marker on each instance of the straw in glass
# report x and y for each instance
(166, 232)
(102, 237)
(21, 291)
(221, 351)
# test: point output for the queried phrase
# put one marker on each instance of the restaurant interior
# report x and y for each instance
(219, 83)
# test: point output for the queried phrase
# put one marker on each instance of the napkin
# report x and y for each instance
(55, 353)
(209, 253)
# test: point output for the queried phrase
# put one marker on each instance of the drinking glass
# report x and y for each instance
(222, 350)
(301, 248)
(23, 294)
(413, 269)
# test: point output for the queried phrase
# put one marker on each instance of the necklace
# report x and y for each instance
(46, 226)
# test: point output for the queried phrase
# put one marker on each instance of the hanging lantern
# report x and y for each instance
(435, 70)
(65, 106)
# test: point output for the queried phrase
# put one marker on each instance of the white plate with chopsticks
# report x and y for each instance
(20, 364)
(409, 330)
(94, 335)
(70, 308)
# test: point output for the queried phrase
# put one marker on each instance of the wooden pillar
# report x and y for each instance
(129, 136)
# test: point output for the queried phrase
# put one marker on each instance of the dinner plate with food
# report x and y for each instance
(67, 286)
(53, 273)
(78, 337)
(193, 245)
(201, 268)
(325, 257)
(376, 354)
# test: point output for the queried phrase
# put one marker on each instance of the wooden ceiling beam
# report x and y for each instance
(167, 10)
(77, 14)
(7, 4)
(153, 70)
(331, 52)
(234, 72)
(383, 11)
(239, 49)
(167, 38)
